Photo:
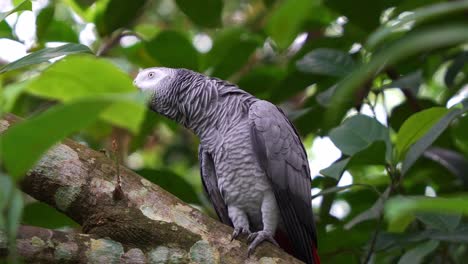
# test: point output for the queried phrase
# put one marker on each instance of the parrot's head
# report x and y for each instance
(158, 84)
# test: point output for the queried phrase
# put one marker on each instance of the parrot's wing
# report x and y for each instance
(210, 184)
(283, 158)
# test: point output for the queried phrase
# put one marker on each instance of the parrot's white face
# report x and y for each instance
(149, 79)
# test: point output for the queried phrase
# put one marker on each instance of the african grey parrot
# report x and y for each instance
(253, 165)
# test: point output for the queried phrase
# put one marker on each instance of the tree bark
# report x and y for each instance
(146, 219)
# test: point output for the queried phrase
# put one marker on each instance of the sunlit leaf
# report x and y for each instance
(68, 80)
(25, 5)
(34, 136)
(426, 141)
(414, 43)
(416, 126)
(45, 55)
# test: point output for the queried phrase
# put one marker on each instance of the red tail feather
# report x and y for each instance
(287, 246)
(316, 256)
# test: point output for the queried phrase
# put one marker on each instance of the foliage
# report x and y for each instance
(384, 80)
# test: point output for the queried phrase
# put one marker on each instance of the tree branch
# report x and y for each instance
(80, 182)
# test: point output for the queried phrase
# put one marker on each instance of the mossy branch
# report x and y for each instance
(80, 182)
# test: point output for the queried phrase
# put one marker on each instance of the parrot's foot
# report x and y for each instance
(238, 231)
(258, 237)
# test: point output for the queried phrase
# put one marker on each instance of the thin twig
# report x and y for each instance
(114, 40)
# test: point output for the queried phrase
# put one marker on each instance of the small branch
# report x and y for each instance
(114, 40)
(412, 100)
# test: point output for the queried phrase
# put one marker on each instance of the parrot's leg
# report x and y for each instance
(240, 221)
(270, 215)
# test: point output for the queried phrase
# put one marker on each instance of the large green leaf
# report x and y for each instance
(443, 222)
(45, 55)
(417, 254)
(86, 76)
(232, 48)
(25, 5)
(359, 132)
(206, 13)
(399, 208)
(285, 22)
(327, 62)
(415, 17)
(416, 126)
(173, 49)
(118, 14)
(426, 141)
(414, 43)
(24, 143)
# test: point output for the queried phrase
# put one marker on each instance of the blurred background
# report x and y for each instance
(394, 70)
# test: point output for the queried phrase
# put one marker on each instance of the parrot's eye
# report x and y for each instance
(150, 75)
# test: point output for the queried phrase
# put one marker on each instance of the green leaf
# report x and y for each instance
(426, 141)
(25, 5)
(440, 221)
(34, 136)
(5, 30)
(232, 48)
(43, 215)
(404, 207)
(118, 14)
(172, 183)
(372, 213)
(336, 169)
(414, 43)
(58, 31)
(417, 254)
(173, 49)
(285, 22)
(416, 126)
(45, 55)
(68, 80)
(326, 61)
(205, 13)
(417, 16)
(359, 132)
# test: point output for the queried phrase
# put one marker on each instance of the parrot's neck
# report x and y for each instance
(213, 109)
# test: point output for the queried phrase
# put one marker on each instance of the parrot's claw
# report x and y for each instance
(258, 237)
(238, 231)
